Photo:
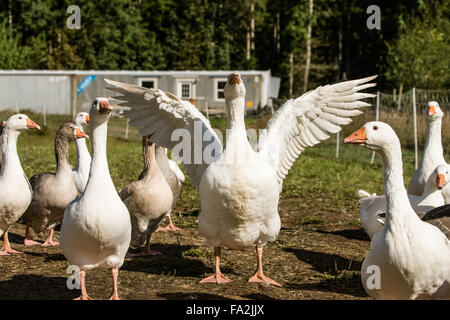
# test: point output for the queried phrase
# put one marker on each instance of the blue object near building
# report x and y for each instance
(85, 83)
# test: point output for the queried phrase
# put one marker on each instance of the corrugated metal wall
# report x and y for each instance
(54, 92)
(35, 93)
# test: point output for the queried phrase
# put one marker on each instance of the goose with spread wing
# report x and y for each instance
(239, 187)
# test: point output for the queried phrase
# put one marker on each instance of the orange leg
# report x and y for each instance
(115, 294)
(28, 241)
(49, 241)
(145, 251)
(259, 275)
(84, 295)
(6, 250)
(169, 227)
(217, 277)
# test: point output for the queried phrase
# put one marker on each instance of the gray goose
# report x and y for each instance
(150, 198)
(52, 192)
(174, 178)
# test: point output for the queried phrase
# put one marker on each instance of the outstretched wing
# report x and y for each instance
(309, 119)
(160, 114)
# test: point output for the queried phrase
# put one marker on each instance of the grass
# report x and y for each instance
(312, 220)
(198, 252)
(317, 177)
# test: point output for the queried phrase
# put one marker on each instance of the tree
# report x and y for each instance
(419, 57)
(13, 55)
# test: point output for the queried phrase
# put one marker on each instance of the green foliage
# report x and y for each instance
(419, 57)
(12, 54)
(214, 34)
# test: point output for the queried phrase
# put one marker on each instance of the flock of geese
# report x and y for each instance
(239, 186)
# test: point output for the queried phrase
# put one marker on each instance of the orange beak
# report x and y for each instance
(235, 78)
(87, 118)
(431, 110)
(32, 125)
(440, 181)
(3, 124)
(358, 137)
(105, 107)
(80, 134)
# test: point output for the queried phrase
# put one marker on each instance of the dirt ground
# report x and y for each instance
(317, 255)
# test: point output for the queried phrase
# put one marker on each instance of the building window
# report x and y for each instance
(186, 89)
(219, 85)
(148, 82)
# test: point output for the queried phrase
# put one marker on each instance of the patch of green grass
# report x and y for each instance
(339, 277)
(311, 220)
(186, 223)
(198, 252)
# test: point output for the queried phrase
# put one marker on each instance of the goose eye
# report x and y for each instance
(375, 127)
(20, 118)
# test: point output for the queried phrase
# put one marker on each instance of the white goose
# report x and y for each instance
(81, 172)
(96, 230)
(411, 258)
(240, 188)
(15, 189)
(371, 204)
(433, 153)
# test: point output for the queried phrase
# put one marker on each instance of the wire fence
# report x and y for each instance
(405, 112)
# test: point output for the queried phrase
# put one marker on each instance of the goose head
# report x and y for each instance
(439, 176)
(81, 119)
(20, 122)
(100, 111)
(375, 135)
(433, 112)
(70, 131)
(234, 87)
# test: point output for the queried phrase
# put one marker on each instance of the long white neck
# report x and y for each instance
(99, 176)
(433, 152)
(237, 146)
(83, 156)
(235, 113)
(10, 158)
(398, 206)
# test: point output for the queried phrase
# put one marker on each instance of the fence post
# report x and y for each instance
(45, 115)
(415, 126)
(377, 117)
(400, 91)
(206, 110)
(337, 145)
(126, 129)
(17, 107)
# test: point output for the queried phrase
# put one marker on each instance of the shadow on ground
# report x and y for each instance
(171, 262)
(351, 234)
(33, 286)
(336, 274)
